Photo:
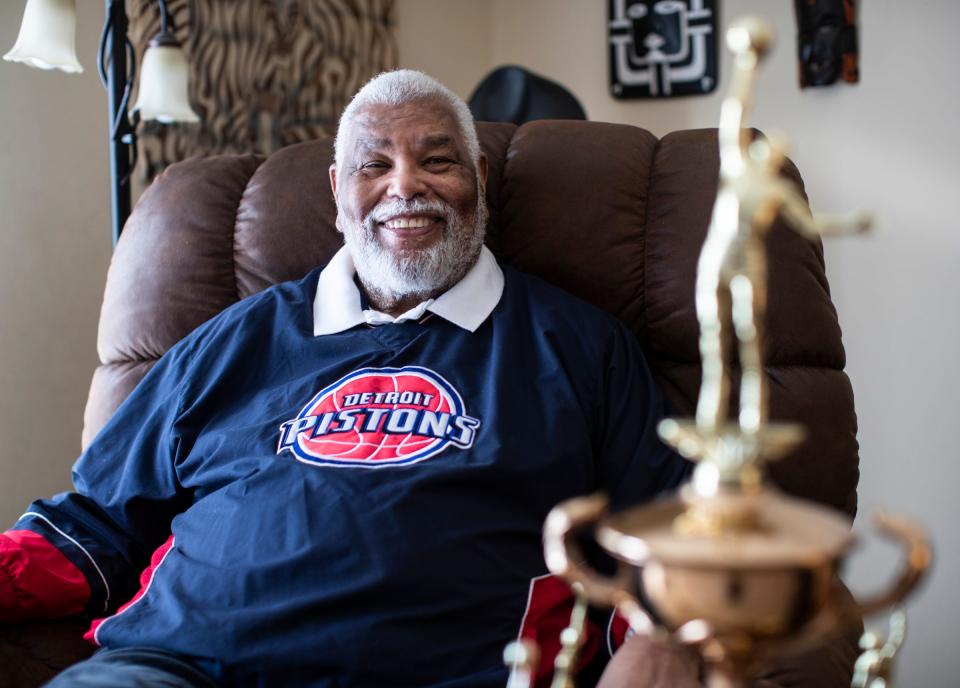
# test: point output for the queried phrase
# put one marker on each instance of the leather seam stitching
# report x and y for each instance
(501, 206)
(233, 231)
(644, 228)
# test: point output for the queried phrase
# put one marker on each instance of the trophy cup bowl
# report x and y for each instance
(765, 582)
(742, 595)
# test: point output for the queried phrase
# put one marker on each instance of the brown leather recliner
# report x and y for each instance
(608, 212)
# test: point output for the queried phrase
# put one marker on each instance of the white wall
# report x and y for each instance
(888, 144)
(54, 251)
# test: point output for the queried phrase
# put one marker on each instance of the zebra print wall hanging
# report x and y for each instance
(264, 73)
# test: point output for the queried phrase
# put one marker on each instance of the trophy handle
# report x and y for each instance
(844, 611)
(565, 558)
(918, 556)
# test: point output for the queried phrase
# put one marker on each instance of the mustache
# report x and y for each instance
(418, 206)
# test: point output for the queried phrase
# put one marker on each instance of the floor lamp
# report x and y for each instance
(47, 41)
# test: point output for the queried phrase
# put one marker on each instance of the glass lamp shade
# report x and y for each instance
(163, 85)
(47, 38)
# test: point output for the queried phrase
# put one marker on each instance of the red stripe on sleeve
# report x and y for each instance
(36, 580)
(146, 578)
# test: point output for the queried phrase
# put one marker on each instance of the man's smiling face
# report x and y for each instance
(409, 199)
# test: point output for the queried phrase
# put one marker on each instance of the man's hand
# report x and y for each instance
(644, 663)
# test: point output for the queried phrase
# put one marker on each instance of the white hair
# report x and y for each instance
(404, 86)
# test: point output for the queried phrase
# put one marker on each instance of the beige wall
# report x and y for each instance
(459, 30)
(54, 250)
(888, 144)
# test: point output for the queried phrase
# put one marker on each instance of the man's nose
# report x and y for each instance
(407, 181)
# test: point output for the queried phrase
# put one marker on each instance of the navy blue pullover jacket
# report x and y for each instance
(361, 508)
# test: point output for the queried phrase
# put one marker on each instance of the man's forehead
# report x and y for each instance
(425, 123)
(424, 141)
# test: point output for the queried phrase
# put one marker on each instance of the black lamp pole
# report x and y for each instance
(116, 62)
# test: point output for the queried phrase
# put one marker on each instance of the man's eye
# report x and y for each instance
(374, 165)
(438, 161)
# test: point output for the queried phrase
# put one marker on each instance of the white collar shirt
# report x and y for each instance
(338, 306)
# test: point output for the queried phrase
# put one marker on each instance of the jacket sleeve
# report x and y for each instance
(80, 552)
(633, 464)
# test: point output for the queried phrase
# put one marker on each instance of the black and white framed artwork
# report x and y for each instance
(662, 48)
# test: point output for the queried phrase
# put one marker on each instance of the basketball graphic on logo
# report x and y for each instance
(377, 444)
(379, 417)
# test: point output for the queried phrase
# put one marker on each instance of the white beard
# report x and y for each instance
(394, 275)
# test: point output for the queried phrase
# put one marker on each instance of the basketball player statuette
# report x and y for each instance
(730, 566)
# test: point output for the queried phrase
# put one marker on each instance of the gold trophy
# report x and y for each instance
(731, 566)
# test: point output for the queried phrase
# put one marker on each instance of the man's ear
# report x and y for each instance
(332, 171)
(333, 181)
(482, 169)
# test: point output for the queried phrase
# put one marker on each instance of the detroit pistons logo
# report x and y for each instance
(379, 417)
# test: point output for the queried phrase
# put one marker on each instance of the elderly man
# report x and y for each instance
(342, 480)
